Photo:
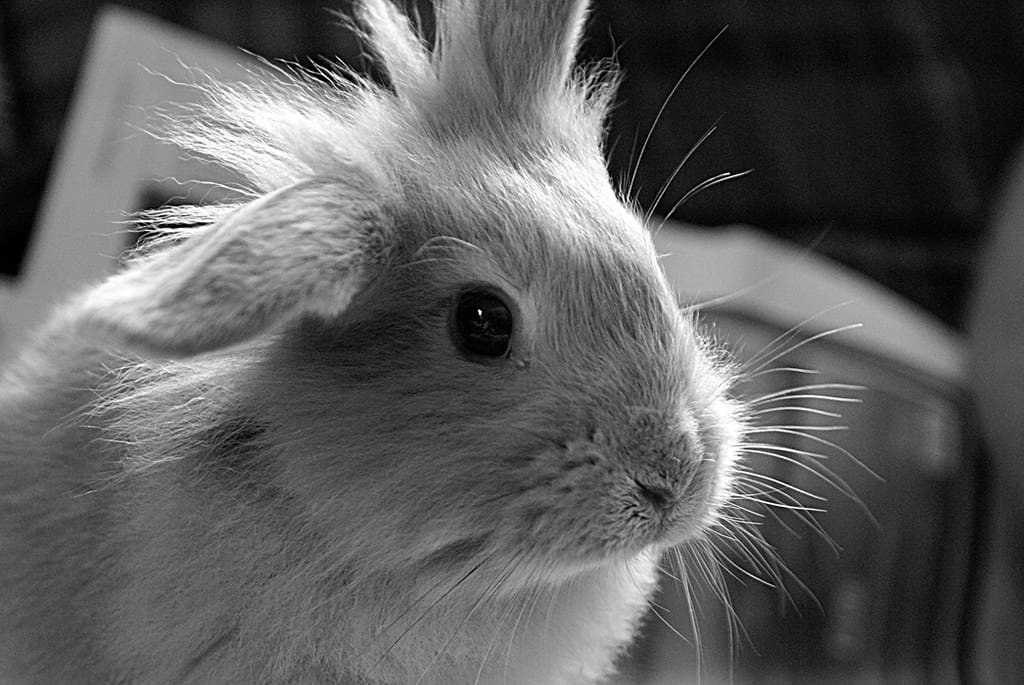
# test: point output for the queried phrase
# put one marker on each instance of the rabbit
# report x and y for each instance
(420, 407)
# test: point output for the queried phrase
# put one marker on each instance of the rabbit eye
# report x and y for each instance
(483, 324)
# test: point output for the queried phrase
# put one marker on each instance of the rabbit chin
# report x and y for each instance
(638, 559)
(569, 632)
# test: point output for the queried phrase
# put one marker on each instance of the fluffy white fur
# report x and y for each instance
(257, 455)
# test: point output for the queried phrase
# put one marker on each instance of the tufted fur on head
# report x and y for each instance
(497, 97)
(272, 448)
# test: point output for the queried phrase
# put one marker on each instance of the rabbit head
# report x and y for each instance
(449, 337)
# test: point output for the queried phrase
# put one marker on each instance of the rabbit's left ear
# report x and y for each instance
(531, 45)
(526, 48)
(307, 248)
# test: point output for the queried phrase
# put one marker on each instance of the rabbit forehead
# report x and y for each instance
(523, 206)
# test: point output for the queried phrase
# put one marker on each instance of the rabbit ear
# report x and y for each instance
(307, 248)
(525, 48)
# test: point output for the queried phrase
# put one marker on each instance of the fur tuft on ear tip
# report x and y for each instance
(390, 34)
(307, 248)
(527, 46)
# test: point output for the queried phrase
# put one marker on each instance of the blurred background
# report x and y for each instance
(878, 133)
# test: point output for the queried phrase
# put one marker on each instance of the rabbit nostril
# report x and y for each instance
(658, 496)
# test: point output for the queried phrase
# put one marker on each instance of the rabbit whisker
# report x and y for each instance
(529, 605)
(499, 629)
(700, 187)
(785, 455)
(783, 501)
(426, 612)
(675, 172)
(807, 392)
(781, 340)
(798, 410)
(484, 597)
(762, 363)
(664, 105)
(808, 433)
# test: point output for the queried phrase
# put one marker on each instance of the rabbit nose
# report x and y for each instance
(659, 496)
(667, 445)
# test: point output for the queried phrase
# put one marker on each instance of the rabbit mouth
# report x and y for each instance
(589, 501)
(670, 515)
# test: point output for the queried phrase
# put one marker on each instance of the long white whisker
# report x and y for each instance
(700, 187)
(808, 391)
(784, 454)
(664, 105)
(803, 342)
(668, 624)
(799, 410)
(796, 370)
(675, 172)
(777, 485)
(785, 501)
(782, 339)
(803, 430)
(691, 608)
(809, 433)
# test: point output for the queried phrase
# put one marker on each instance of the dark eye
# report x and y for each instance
(483, 323)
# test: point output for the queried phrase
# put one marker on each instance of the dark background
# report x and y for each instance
(877, 130)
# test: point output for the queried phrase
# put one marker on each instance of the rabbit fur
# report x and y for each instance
(256, 455)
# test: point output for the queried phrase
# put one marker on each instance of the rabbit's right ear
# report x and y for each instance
(307, 248)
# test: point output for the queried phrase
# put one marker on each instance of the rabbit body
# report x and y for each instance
(193, 573)
(422, 409)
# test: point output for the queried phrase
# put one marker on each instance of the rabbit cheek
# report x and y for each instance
(551, 516)
(583, 507)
